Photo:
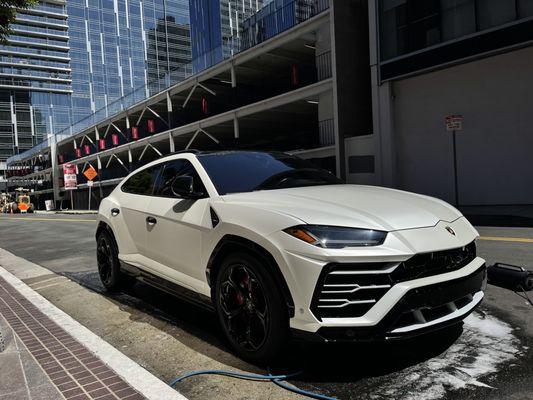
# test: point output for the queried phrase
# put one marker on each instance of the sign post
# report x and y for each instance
(90, 173)
(90, 186)
(70, 180)
(454, 123)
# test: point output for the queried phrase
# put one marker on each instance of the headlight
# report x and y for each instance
(337, 237)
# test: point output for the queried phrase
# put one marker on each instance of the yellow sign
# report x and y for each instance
(90, 173)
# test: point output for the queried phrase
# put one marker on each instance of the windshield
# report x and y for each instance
(238, 172)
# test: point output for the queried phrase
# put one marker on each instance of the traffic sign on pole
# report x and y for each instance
(454, 122)
(90, 173)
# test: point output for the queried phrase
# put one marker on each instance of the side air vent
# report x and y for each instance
(214, 217)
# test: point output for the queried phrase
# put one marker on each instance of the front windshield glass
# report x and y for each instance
(238, 172)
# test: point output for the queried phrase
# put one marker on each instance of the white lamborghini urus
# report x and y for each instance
(277, 247)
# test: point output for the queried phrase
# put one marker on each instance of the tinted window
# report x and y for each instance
(142, 182)
(237, 172)
(173, 169)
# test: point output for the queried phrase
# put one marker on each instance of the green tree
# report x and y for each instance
(8, 11)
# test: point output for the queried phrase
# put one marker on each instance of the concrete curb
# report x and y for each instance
(140, 379)
(68, 212)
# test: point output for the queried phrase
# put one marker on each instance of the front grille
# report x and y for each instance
(350, 290)
(429, 303)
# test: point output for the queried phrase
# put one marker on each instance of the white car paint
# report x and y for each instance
(178, 248)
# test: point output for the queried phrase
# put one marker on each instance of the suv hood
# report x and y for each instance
(369, 207)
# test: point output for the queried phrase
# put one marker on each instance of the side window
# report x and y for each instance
(142, 182)
(171, 171)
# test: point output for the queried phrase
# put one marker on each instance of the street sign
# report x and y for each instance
(90, 173)
(454, 122)
(90, 183)
(69, 176)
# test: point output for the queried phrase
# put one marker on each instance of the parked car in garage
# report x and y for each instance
(277, 247)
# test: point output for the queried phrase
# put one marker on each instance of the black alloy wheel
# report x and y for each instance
(108, 264)
(244, 307)
(250, 308)
(104, 254)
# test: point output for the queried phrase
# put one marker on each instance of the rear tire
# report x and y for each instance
(109, 265)
(250, 308)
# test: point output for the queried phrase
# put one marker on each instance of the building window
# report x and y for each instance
(492, 13)
(410, 25)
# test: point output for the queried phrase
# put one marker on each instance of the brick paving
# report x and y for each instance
(69, 366)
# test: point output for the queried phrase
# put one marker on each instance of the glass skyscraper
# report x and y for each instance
(67, 60)
(216, 26)
(118, 46)
(35, 78)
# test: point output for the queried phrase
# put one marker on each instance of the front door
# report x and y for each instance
(130, 215)
(177, 225)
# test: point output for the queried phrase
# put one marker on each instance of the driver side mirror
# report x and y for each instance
(183, 186)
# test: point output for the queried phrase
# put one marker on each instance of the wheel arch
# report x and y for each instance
(102, 226)
(231, 243)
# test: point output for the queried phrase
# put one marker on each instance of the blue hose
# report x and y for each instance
(276, 379)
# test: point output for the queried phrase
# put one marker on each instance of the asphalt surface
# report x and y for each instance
(490, 358)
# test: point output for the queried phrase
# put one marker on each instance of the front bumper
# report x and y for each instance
(465, 285)
(420, 310)
(303, 267)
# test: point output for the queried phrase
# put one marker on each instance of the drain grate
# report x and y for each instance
(2, 341)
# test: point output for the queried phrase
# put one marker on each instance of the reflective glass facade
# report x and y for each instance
(118, 46)
(67, 60)
(216, 27)
(410, 25)
(35, 78)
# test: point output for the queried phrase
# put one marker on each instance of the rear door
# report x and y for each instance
(175, 237)
(134, 199)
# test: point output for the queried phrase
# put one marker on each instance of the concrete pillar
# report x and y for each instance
(55, 168)
(170, 119)
(172, 145)
(382, 106)
(236, 131)
(325, 100)
(351, 74)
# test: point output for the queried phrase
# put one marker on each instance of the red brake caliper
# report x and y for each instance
(244, 283)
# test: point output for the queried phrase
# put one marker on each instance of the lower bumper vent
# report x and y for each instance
(350, 290)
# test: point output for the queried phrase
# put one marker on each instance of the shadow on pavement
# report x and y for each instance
(347, 362)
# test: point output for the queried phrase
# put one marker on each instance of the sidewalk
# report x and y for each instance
(41, 359)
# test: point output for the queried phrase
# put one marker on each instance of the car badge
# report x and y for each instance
(450, 231)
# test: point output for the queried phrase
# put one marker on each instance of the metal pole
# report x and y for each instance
(71, 200)
(456, 184)
(90, 187)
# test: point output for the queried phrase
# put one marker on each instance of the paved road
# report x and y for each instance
(490, 359)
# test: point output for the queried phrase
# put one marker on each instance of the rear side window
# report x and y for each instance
(142, 182)
(173, 169)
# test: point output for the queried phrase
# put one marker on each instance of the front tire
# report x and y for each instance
(108, 264)
(250, 309)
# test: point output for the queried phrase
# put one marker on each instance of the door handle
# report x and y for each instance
(115, 212)
(151, 221)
